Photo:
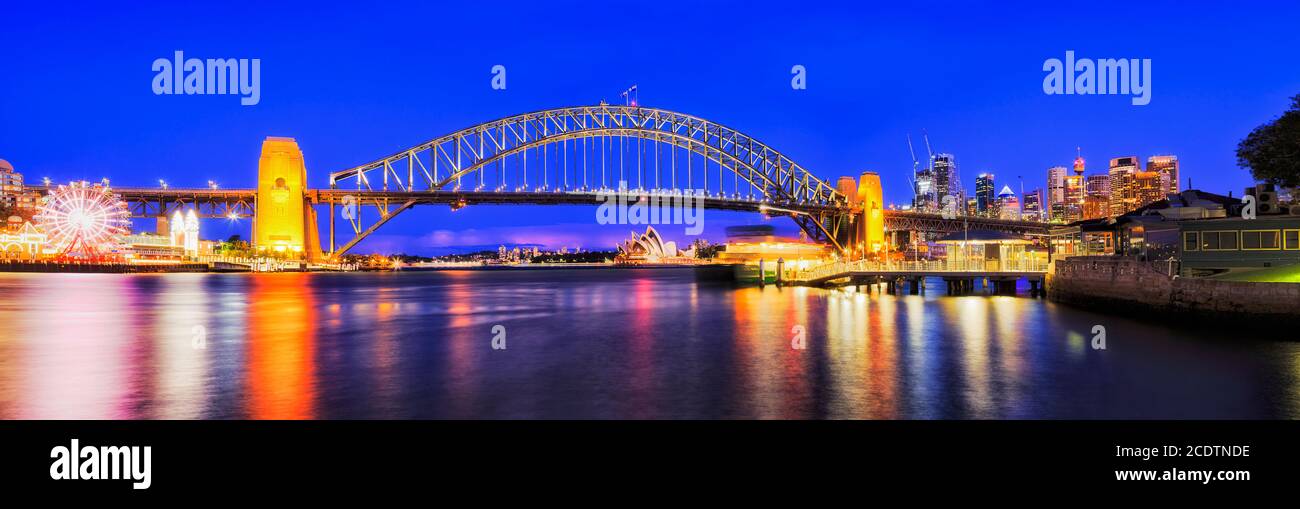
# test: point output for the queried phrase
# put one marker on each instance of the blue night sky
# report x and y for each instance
(354, 84)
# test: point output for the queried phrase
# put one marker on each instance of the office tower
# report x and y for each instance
(972, 206)
(1098, 184)
(1095, 206)
(1123, 190)
(945, 178)
(1168, 165)
(1055, 186)
(1008, 206)
(985, 198)
(1033, 206)
(1074, 190)
(924, 201)
(1096, 196)
(1149, 187)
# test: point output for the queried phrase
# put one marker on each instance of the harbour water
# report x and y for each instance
(599, 343)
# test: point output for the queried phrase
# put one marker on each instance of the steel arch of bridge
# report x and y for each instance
(442, 165)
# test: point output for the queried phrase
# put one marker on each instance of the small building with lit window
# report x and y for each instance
(987, 250)
(1203, 232)
(1229, 245)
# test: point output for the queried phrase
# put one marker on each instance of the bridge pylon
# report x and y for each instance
(284, 222)
(866, 237)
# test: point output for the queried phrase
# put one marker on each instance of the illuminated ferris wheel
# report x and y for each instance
(83, 221)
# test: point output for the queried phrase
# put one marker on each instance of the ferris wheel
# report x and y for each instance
(83, 221)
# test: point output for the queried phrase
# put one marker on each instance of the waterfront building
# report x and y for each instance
(1238, 246)
(1123, 185)
(14, 195)
(747, 245)
(1198, 234)
(11, 185)
(987, 250)
(147, 247)
(985, 195)
(1008, 206)
(1167, 165)
(19, 240)
(649, 247)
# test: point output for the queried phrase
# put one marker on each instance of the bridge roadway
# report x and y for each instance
(224, 203)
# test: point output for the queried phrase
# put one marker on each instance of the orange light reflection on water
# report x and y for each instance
(281, 347)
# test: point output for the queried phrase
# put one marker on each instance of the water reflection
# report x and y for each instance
(281, 347)
(597, 344)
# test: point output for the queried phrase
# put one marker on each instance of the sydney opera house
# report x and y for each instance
(649, 247)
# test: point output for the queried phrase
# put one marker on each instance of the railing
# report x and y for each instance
(922, 267)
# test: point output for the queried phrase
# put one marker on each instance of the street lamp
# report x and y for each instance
(212, 185)
(162, 183)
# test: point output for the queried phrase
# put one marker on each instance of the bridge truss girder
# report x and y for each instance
(936, 223)
(153, 203)
(484, 151)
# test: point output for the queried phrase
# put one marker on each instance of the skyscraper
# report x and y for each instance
(945, 179)
(1008, 206)
(1096, 198)
(1033, 206)
(1149, 187)
(1055, 186)
(924, 183)
(1123, 189)
(985, 197)
(1097, 184)
(1168, 165)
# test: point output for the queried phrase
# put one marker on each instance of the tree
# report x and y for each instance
(1272, 150)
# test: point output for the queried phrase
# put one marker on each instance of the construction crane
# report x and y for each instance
(925, 134)
(912, 178)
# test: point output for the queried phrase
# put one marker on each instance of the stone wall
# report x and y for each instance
(1130, 285)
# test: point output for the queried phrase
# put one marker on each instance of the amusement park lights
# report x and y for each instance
(83, 221)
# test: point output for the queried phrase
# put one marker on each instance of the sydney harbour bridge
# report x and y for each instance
(576, 156)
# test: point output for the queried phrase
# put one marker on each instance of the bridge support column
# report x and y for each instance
(1036, 287)
(285, 222)
(1002, 286)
